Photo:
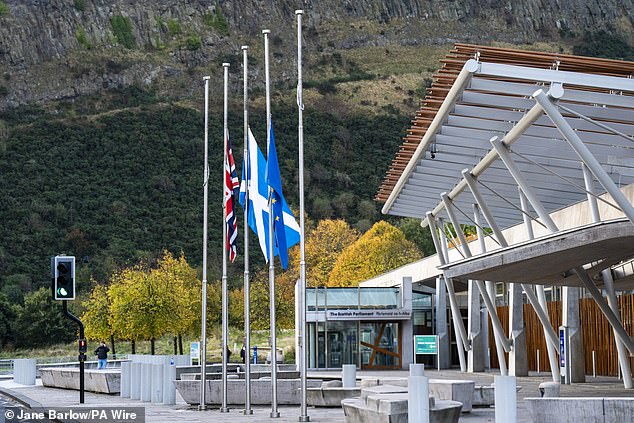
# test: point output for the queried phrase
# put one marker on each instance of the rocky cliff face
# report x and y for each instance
(54, 49)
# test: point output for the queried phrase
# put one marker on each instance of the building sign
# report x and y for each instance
(426, 344)
(390, 314)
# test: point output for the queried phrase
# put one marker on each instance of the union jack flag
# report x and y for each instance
(232, 186)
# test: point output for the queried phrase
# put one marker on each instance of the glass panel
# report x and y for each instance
(380, 297)
(342, 343)
(321, 345)
(321, 298)
(421, 300)
(342, 298)
(311, 296)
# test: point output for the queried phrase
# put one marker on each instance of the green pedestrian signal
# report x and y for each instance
(63, 275)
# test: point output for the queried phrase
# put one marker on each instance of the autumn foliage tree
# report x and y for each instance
(382, 248)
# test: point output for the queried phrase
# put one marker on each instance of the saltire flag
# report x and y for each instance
(274, 181)
(258, 214)
(231, 190)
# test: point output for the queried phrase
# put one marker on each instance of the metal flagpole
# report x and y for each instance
(203, 335)
(274, 412)
(247, 297)
(225, 244)
(303, 417)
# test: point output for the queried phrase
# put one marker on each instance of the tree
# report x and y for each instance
(141, 306)
(382, 248)
(418, 235)
(7, 316)
(41, 321)
(323, 245)
(96, 319)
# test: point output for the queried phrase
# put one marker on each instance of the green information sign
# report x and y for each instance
(426, 344)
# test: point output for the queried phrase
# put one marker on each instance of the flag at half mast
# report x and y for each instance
(258, 202)
(231, 186)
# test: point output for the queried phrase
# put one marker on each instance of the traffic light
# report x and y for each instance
(63, 273)
(83, 346)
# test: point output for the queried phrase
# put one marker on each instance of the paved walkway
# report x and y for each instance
(51, 397)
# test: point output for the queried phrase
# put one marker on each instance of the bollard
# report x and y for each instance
(417, 395)
(135, 381)
(125, 379)
(505, 399)
(169, 375)
(594, 365)
(349, 375)
(24, 371)
(146, 382)
(157, 383)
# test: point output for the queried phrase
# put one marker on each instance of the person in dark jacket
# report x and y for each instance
(102, 355)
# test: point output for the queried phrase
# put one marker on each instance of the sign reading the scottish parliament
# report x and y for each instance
(385, 314)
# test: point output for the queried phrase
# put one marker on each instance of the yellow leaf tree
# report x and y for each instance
(382, 248)
(323, 246)
(95, 318)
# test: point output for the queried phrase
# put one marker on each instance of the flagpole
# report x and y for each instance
(224, 408)
(274, 412)
(247, 296)
(203, 335)
(303, 417)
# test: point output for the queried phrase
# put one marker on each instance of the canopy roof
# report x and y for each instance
(481, 92)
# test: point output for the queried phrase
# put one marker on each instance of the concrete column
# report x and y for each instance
(125, 379)
(475, 356)
(157, 383)
(24, 371)
(146, 382)
(407, 326)
(135, 381)
(417, 395)
(349, 375)
(505, 399)
(518, 357)
(169, 375)
(441, 324)
(570, 319)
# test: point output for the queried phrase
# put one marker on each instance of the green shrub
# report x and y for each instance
(217, 21)
(4, 9)
(174, 27)
(122, 29)
(80, 5)
(193, 42)
(604, 44)
(80, 34)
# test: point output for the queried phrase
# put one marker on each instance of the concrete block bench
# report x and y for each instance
(330, 394)
(462, 391)
(453, 390)
(578, 409)
(105, 381)
(288, 391)
(389, 405)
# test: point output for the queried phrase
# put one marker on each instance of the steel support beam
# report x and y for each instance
(456, 317)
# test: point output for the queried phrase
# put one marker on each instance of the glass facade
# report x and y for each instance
(367, 344)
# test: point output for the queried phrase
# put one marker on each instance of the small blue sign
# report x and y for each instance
(562, 348)
(255, 354)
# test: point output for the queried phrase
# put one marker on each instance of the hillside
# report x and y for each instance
(101, 110)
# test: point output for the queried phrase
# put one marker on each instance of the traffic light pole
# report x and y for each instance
(82, 355)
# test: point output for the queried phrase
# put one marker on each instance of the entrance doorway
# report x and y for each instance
(381, 345)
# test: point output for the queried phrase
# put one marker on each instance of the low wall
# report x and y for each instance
(288, 391)
(106, 381)
(577, 409)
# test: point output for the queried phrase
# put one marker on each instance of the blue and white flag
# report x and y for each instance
(274, 181)
(258, 202)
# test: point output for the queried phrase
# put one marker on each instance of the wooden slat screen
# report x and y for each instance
(596, 331)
